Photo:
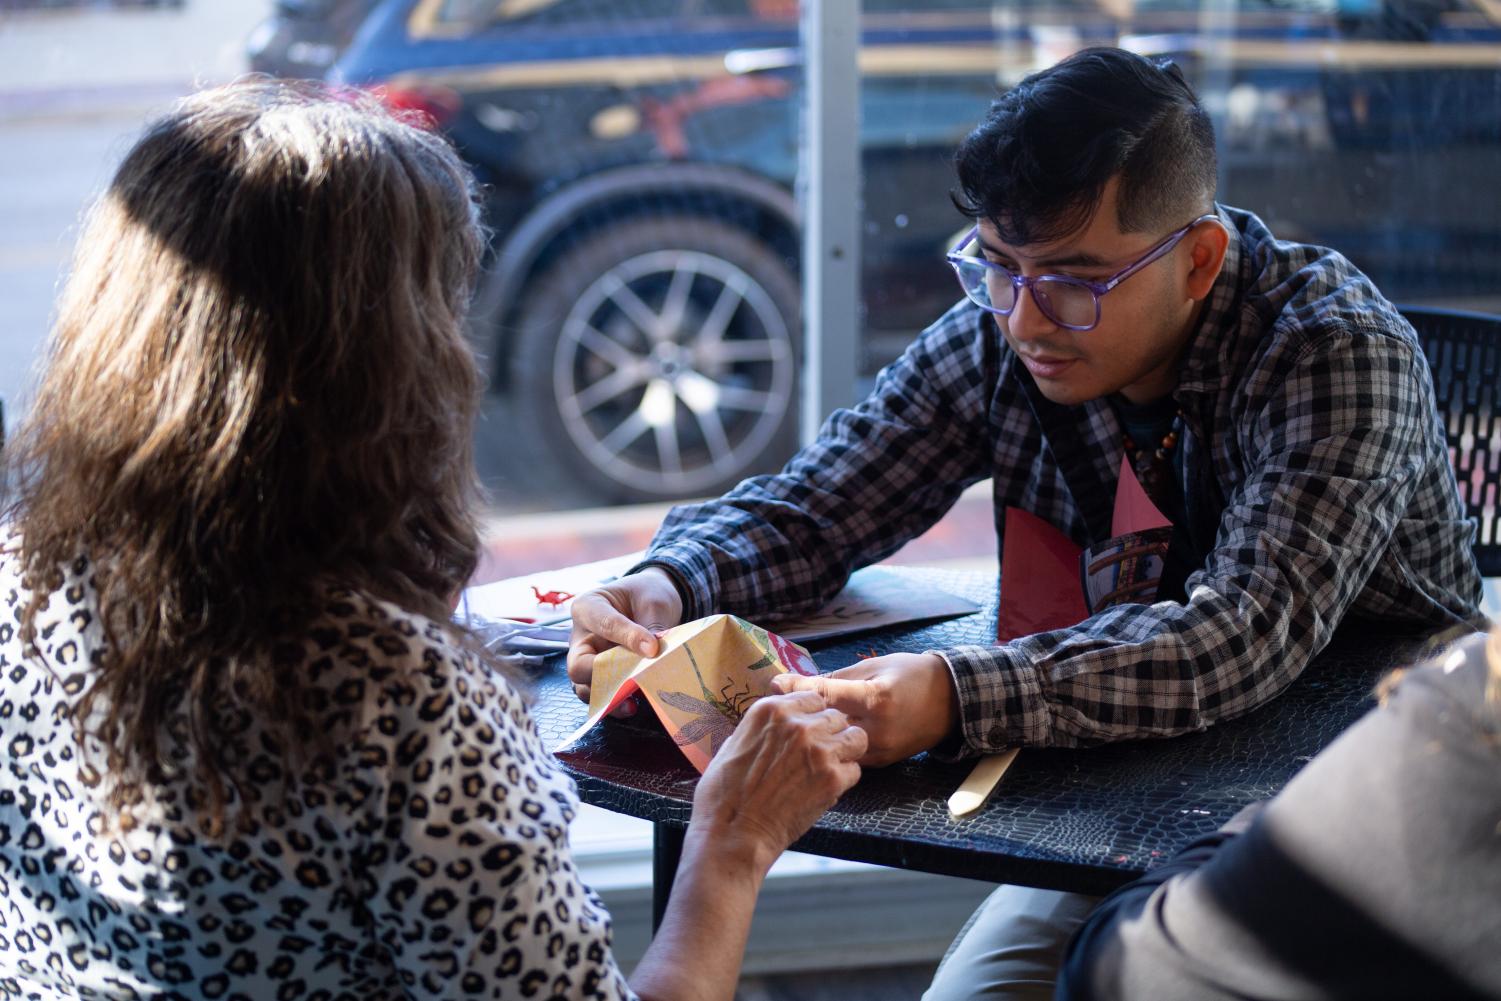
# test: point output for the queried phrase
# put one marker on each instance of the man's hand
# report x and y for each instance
(905, 702)
(628, 612)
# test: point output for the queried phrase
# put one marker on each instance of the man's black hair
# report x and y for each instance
(1036, 166)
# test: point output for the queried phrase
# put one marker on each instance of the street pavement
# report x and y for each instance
(104, 57)
(76, 86)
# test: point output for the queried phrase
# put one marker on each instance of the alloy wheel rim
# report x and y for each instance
(674, 368)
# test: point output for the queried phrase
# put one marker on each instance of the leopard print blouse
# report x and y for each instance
(436, 865)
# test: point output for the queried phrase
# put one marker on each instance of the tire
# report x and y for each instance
(658, 358)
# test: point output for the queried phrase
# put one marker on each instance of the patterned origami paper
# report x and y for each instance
(707, 675)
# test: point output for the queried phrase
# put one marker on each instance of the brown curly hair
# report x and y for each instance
(257, 388)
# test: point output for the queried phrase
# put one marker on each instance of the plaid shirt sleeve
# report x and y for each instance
(1334, 441)
(877, 476)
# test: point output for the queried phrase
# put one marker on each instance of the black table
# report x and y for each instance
(1084, 820)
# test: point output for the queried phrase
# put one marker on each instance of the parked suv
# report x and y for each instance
(302, 38)
(641, 302)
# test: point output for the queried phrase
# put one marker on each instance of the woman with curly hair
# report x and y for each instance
(248, 753)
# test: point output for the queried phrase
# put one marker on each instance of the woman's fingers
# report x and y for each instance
(789, 760)
(803, 722)
(852, 744)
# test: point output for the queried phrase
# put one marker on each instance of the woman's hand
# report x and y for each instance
(790, 758)
(786, 763)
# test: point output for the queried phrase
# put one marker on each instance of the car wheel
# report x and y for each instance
(659, 358)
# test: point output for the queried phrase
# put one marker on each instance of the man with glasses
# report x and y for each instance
(1274, 406)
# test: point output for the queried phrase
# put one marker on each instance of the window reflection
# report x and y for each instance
(642, 157)
(640, 317)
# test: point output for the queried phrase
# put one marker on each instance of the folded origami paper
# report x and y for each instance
(706, 676)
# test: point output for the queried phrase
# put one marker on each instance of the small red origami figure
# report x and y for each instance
(553, 598)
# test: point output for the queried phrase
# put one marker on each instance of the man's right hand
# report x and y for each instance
(628, 612)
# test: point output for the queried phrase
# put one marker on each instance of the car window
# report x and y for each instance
(451, 15)
(911, 7)
(1248, 6)
(769, 10)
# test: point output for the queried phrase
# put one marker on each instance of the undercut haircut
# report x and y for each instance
(1036, 167)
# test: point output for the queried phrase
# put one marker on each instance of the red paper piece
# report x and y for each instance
(626, 690)
(553, 598)
(1134, 510)
(1040, 588)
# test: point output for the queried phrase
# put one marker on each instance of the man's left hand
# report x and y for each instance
(905, 702)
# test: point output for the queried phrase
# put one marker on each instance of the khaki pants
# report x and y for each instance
(1011, 947)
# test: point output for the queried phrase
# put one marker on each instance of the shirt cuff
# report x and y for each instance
(1001, 700)
(693, 573)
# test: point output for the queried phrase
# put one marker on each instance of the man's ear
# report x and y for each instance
(1206, 252)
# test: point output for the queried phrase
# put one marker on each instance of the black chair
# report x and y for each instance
(1464, 351)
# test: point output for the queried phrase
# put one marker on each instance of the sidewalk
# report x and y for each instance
(91, 61)
(516, 545)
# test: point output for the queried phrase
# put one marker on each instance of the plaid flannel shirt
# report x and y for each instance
(1317, 481)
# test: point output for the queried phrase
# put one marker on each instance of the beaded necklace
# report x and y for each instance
(1153, 466)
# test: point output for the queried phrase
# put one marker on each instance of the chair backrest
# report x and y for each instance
(1464, 351)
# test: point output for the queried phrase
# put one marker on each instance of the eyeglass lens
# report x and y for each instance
(1061, 301)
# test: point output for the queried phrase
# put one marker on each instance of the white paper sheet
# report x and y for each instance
(874, 597)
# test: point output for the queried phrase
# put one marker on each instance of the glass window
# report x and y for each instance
(624, 144)
(480, 14)
(1365, 125)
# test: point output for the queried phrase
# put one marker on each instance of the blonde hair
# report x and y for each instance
(257, 388)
